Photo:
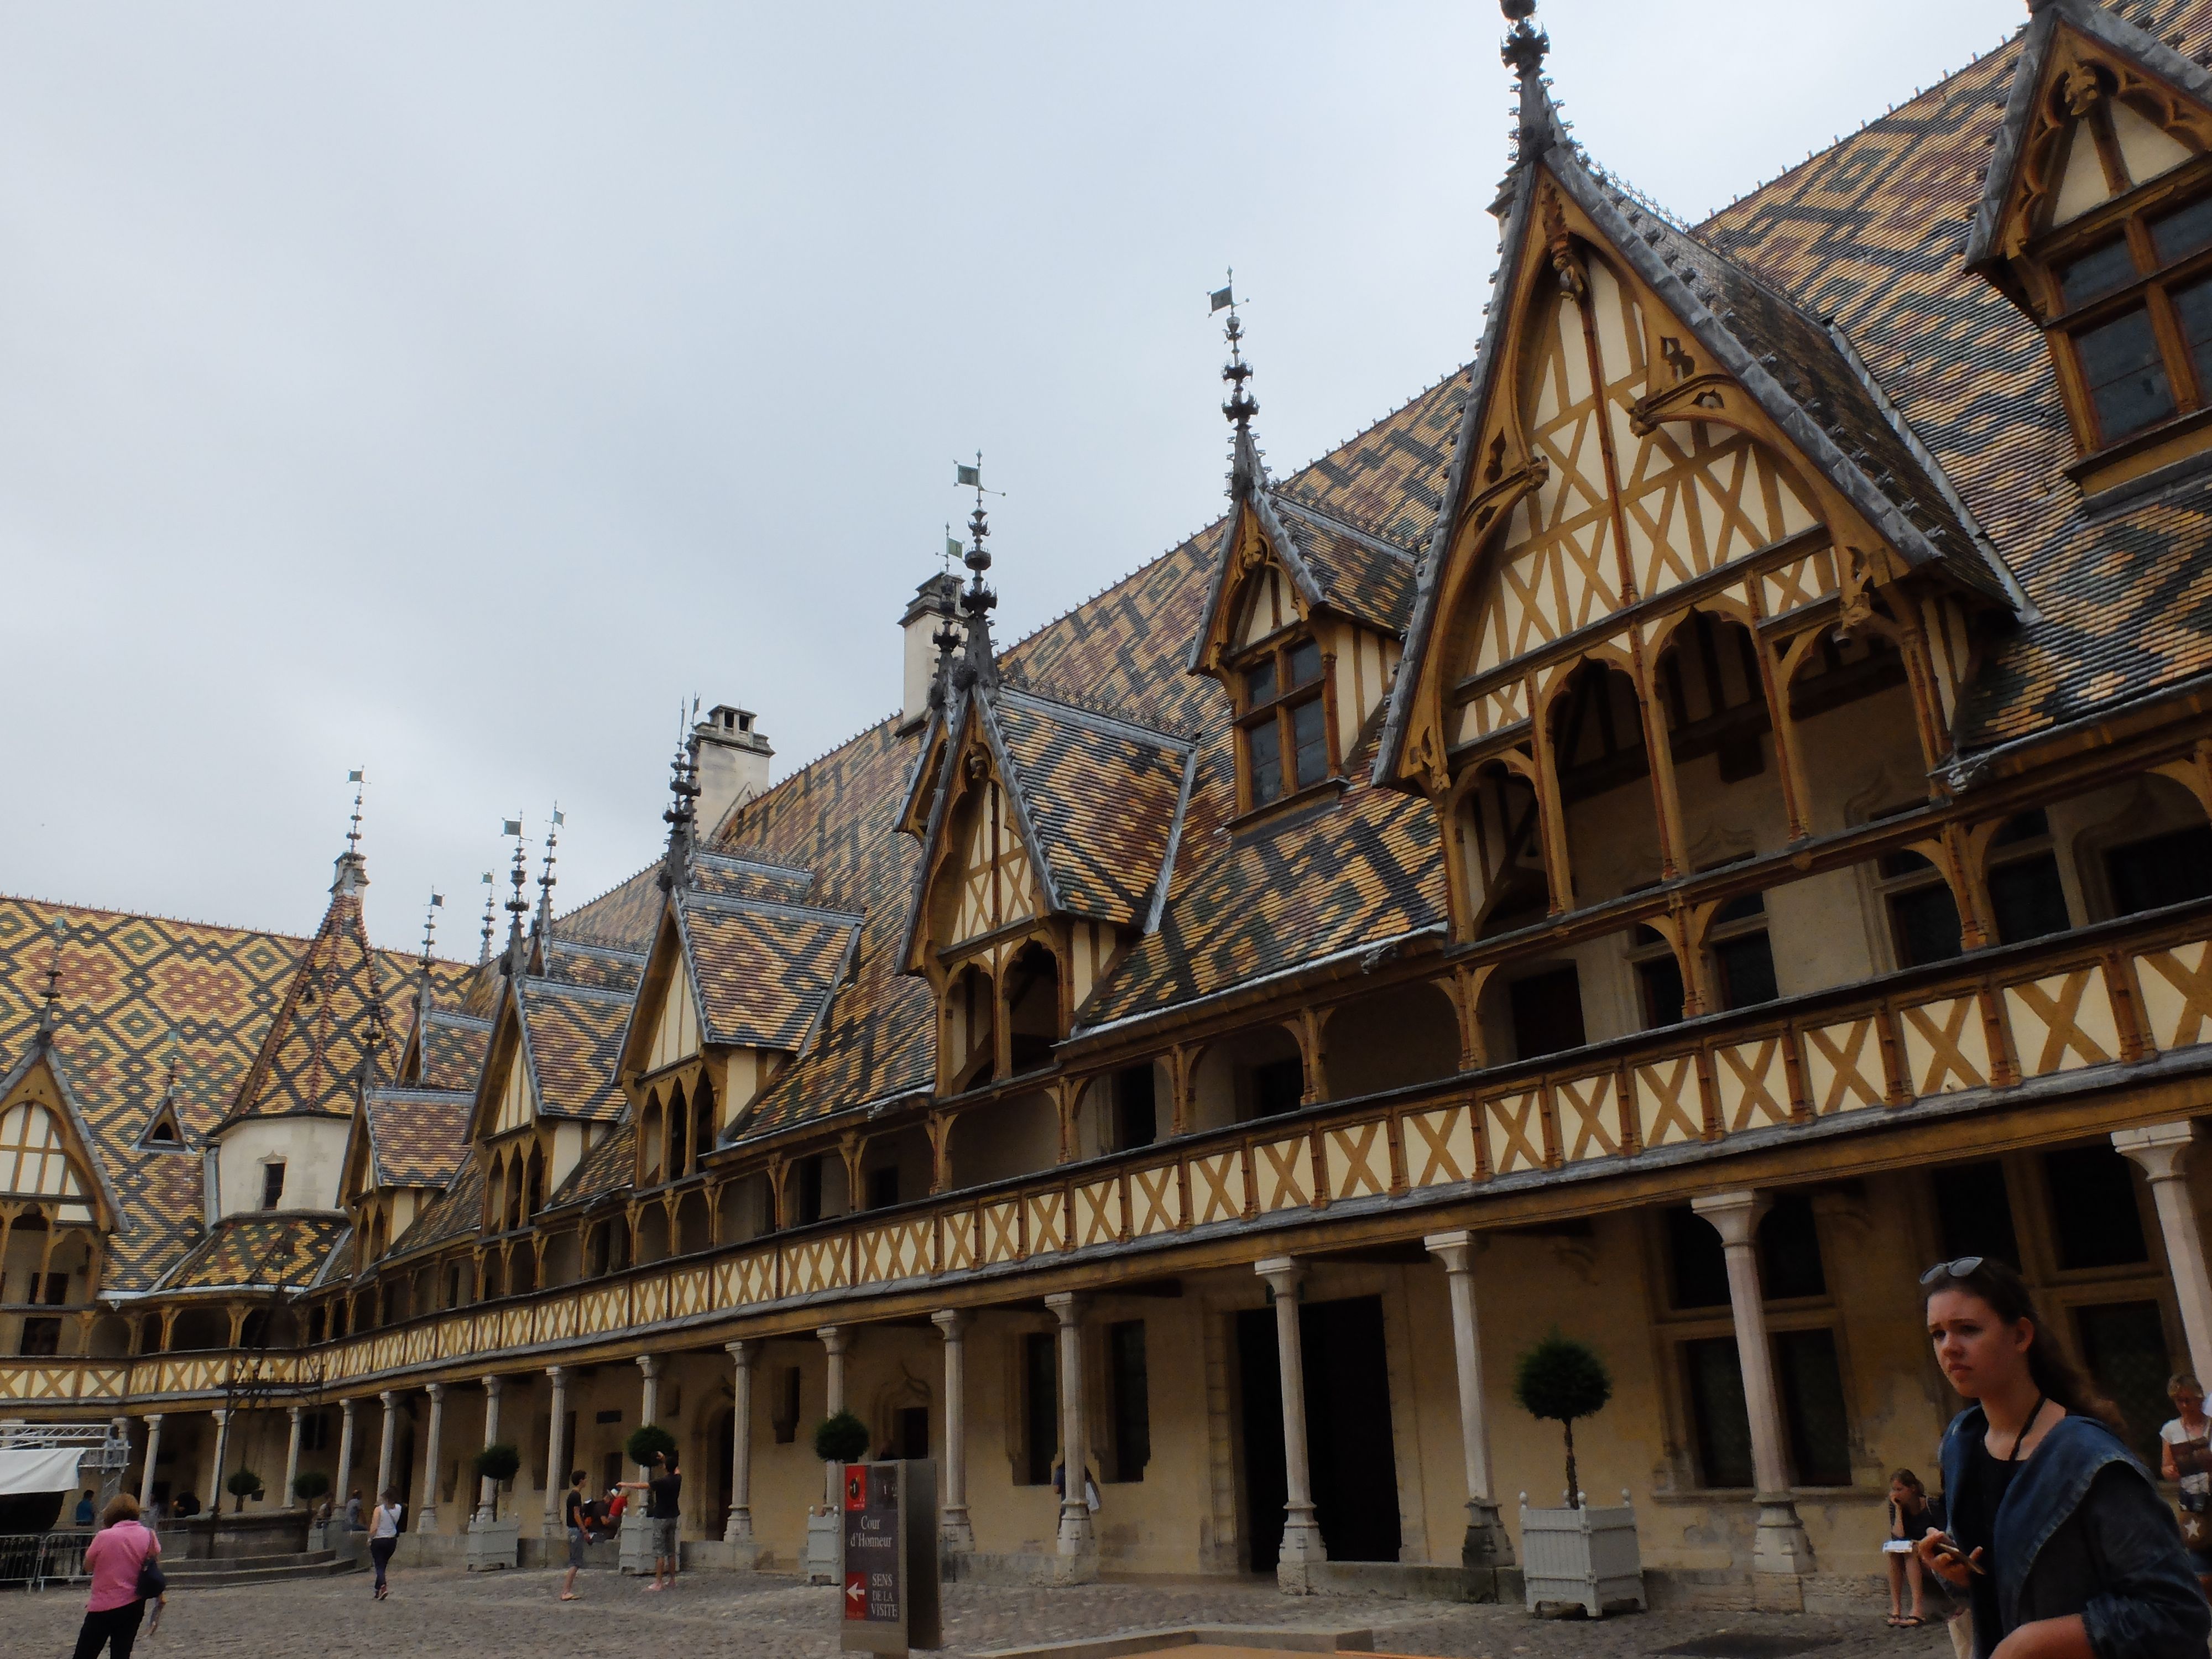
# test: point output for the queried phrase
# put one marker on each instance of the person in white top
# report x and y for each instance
(384, 1529)
(2185, 1458)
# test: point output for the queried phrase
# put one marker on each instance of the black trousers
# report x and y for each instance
(116, 1629)
(379, 1551)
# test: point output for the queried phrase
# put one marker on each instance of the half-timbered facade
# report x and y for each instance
(1700, 813)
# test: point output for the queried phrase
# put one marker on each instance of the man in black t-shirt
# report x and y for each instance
(664, 1500)
(573, 1516)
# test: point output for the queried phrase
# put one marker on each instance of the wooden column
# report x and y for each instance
(955, 1532)
(1780, 1545)
(1302, 1540)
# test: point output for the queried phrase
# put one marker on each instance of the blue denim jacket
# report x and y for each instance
(2083, 1530)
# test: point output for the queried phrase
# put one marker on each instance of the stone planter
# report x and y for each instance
(825, 1546)
(1586, 1556)
(230, 1535)
(492, 1545)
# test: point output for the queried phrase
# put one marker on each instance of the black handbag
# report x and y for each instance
(153, 1582)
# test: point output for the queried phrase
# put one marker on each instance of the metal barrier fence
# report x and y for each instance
(35, 1560)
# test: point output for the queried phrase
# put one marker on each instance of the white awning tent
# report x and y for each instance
(38, 1469)
(45, 1457)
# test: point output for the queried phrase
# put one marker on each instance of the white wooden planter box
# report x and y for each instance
(1587, 1555)
(492, 1545)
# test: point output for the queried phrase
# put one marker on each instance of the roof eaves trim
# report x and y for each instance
(1166, 879)
(1216, 594)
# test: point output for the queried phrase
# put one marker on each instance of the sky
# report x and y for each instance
(454, 391)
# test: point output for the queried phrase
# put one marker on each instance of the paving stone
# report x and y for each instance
(515, 1615)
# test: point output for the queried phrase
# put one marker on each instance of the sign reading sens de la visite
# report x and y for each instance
(891, 1567)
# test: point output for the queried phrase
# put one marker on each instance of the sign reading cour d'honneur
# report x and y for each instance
(891, 1573)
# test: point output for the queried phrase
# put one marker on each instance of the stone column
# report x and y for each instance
(837, 1342)
(426, 1517)
(153, 1454)
(345, 1456)
(389, 1399)
(648, 1410)
(221, 1452)
(738, 1529)
(487, 1488)
(2162, 1151)
(1302, 1540)
(557, 1454)
(1076, 1537)
(292, 1456)
(1487, 1545)
(954, 1531)
(1780, 1545)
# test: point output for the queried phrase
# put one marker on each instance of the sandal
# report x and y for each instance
(1910, 1621)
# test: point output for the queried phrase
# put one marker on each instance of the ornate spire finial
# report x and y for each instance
(947, 638)
(430, 926)
(1244, 457)
(491, 897)
(352, 870)
(979, 664)
(517, 906)
(682, 815)
(49, 1013)
(1524, 48)
(543, 926)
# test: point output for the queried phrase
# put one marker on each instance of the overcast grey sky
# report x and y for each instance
(450, 389)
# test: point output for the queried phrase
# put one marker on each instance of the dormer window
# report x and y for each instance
(2136, 308)
(1285, 721)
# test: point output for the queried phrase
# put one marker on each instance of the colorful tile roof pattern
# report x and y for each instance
(260, 1251)
(128, 983)
(596, 966)
(764, 973)
(623, 917)
(451, 1049)
(603, 1168)
(739, 878)
(1358, 572)
(1867, 232)
(417, 1137)
(456, 1212)
(332, 1036)
(572, 1034)
(1102, 797)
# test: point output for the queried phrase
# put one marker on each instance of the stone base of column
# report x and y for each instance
(1076, 1537)
(739, 1528)
(1301, 1549)
(1781, 1554)
(956, 1534)
(1485, 1552)
(426, 1519)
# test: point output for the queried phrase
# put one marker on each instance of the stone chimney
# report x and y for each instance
(733, 759)
(932, 603)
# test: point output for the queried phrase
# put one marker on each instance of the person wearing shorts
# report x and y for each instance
(664, 1498)
(572, 1514)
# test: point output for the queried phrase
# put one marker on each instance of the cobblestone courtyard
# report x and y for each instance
(515, 1616)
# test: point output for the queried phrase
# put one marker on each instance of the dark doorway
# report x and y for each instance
(914, 1432)
(1348, 1442)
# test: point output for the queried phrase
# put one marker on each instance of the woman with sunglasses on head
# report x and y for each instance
(2057, 1536)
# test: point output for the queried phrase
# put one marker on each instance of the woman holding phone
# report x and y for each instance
(2185, 1458)
(2056, 1533)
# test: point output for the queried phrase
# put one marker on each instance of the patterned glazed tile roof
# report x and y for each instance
(1868, 232)
(572, 1036)
(727, 878)
(266, 1249)
(452, 1048)
(330, 1036)
(128, 982)
(605, 1168)
(1358, 572)
(417, 1136)
(762, 974)
(1100, 796)
(456, 1213)
(597, 967)
(623, 917)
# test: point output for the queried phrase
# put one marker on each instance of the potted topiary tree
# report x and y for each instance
(646, 1442)
(242, 1484)
(1576, 1554)
(309, 1485)
(839, 1439)
(493, 1542)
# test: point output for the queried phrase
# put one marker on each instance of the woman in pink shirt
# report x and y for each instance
(113, 1610)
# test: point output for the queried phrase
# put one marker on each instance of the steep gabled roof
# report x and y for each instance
(454, 1213)
(764, 972)
(606, 1168)
(571, 1041)
(2105, 28)
(265, 1251)
(416, 1137)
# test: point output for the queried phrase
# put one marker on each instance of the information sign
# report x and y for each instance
(888, 1521)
